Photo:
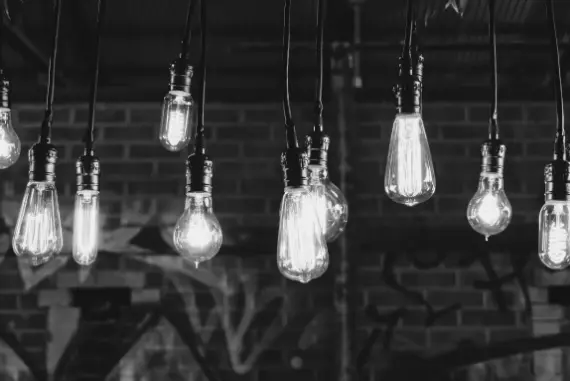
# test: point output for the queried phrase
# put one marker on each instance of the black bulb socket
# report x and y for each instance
(408, 89)
(180, 75)
(5, 90)
(493, 152)
(42, 158)
(317, 147)
(295, 165)
(557, 181)
(87, 172)
(199, 172)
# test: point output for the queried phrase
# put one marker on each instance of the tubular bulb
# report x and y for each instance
(38, 235)
(86, 227)
(332, 207)
(409, 177)
(489, 211)
(198, 234)
(302, 253)
(176, 125)
(10, 146)
(553, 237)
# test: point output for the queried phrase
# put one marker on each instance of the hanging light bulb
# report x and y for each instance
(489, 211)
(302, 253)
(10, 145)
(88, 170)
(554, 217)
(38, 235)
(176, 125)
(198, 235)
(409, 178)
(86, 212)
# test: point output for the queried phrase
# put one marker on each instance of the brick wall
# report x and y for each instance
(245, 143)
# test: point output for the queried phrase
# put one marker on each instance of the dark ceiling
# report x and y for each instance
(142, 37)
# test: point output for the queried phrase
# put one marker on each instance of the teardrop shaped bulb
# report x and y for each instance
(38, 232)
(302, 253)
(410, 176)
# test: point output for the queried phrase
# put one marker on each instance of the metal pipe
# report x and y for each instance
(342, 295)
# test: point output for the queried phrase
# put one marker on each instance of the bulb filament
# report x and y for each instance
(410, 160)
(489, 212)
(176, 126)
(5, 147)
(556, 248)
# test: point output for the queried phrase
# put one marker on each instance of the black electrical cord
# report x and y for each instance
(188, 29)
(409, 32)
(321, 17)
(199, 144)
(493, 125)
(90, 133)
(560, 142)
(290, 133)
(45, 135)
(4, 12)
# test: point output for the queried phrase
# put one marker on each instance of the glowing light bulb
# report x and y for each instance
(489, 212)
(332, 207)
(9, 142)
(38, 233)
(409, 177)
(553, 235)
(86, 227)
(302, 253)
(176, 127)
(198, 234)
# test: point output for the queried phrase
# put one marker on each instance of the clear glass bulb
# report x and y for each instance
(38, 235)
(409, 177)
(86, 227)
(553, 237)
(332, 207)
(302, 253)
(176, 124)
(198, 234)
(9, 142)
(489, 212)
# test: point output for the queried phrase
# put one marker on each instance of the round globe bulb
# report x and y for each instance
(489, 212)
(198, 234)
